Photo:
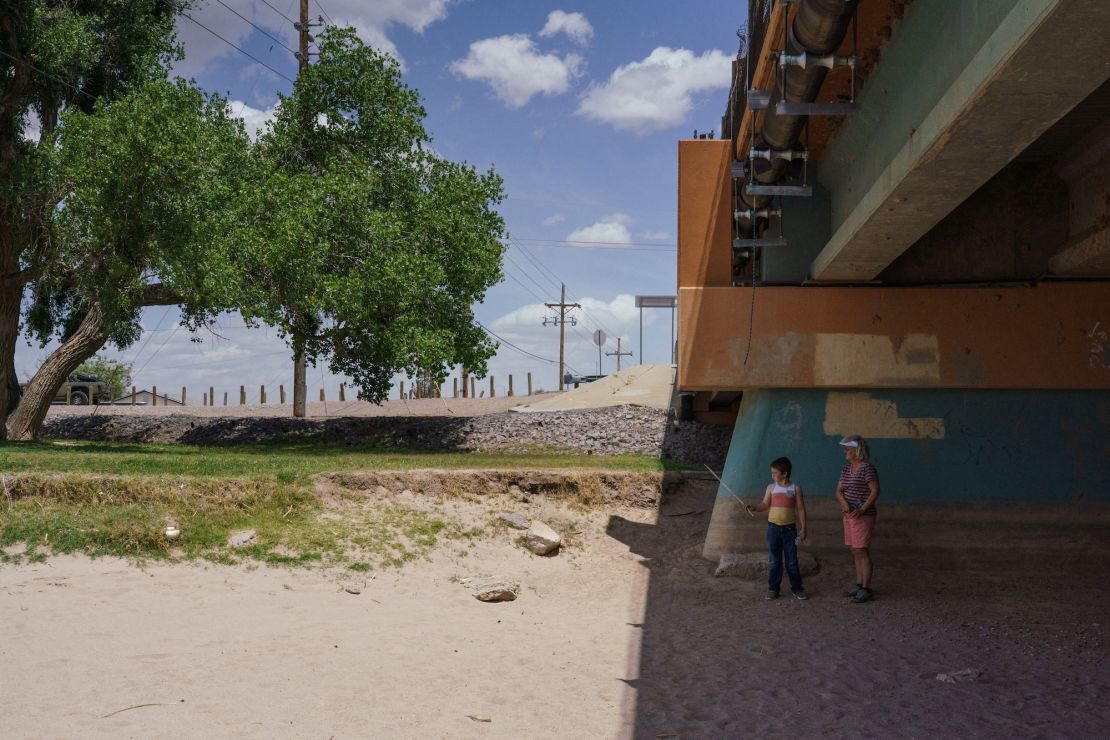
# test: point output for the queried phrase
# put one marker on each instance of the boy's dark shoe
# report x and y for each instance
(852, 591)
(864, 594)
(800, 595)
(772, 595)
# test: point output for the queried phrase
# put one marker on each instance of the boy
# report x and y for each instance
(786, 526)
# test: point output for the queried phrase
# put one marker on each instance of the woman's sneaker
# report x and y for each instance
(864, 594)
(771, 595)
(800, 595)
(852, 591)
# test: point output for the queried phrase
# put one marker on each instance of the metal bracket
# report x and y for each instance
(802, 191)
(739, 170)
(769, 154)
(758, 99)
(774, 242)
(752, 214)
(805, 59)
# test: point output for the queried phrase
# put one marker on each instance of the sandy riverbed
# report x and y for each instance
(624, 634)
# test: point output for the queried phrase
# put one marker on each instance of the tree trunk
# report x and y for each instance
(9, 333)
(300, 386)
(26, 422)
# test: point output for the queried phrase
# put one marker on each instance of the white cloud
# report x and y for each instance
(573, 25)
(655, 236)
(657, 92)
(253, 118)
(553, 219)
(516, 70)
(612, 228)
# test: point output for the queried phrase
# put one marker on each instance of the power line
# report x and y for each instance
(540, 265)
(47, 75)
(283, 15)
(510, 344)
(321, 7)
(260, 28)
(240, 49)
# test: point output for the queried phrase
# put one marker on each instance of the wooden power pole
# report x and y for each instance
(300, 386)
(619, 354)
(561, 320)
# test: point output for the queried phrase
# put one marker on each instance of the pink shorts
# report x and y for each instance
(857, 532)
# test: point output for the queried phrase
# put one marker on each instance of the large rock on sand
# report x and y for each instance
(753, 565)
(542, 539)
(492, 588)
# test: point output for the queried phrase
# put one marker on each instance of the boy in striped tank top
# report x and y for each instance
(786, 526)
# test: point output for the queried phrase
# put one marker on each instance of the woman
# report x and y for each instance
(856, 493)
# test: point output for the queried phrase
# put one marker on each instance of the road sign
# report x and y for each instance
(599, 338)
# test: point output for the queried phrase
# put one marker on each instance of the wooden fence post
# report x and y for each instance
(69, 396)
(133, 392)
(154, 396)
(182, 395)
(463, 375)
(281, 392)
(262, 394)
(510, 384)
(211, 396)
(342, 392)
(323, 398)
(225, 398)
(491, 386)
(205, 395)
(454, 387)
(472, 385)
(529, 384)
(402, 390)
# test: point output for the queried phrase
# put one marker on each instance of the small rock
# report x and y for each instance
(964, 676)
(542, 539)
(516, 521)
(514, 490)
(492, 588)
(352, 590)
(241, 538)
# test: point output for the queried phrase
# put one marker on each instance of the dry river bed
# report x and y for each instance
(624, 633)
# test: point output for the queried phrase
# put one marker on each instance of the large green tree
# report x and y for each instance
(361, 244)
(143, 221)
(57, 56)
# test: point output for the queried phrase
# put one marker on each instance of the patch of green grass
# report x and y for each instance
(284, 463)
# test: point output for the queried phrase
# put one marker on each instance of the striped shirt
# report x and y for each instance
(856, 491)
(783, 504)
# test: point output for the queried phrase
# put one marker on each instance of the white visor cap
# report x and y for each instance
(849, 443)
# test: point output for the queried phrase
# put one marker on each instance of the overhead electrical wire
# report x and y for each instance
(262, 30)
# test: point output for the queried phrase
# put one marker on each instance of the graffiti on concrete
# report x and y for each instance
(1097, 356)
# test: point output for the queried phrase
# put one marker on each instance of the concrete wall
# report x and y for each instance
(1051, 336)
(932, 446)
(704, 213)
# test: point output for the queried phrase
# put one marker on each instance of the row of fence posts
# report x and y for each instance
(473, 388)
(209, 397)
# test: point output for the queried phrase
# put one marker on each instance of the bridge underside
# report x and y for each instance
(945, 292)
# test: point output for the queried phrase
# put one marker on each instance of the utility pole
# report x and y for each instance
(561, 320)
(619, 354)
(300, 386)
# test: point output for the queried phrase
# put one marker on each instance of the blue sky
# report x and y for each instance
(578, 106)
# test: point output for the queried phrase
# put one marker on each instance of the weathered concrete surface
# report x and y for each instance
(896, 337)
(1042, 59)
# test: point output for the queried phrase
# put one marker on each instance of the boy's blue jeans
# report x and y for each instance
(780, 549)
